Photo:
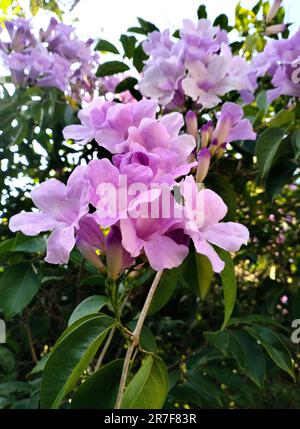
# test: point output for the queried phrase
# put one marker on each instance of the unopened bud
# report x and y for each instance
(273, 10)
(206, 134)
(221, 150)
(203, 164)
(90, 254)
(223, 127)
(213, 146)
(192, 124)
(117, 258)
(275, 29)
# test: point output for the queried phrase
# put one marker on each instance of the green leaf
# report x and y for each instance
(229, 284)
(70, 357)
(278, 177)
(268, 144)
(222, 21)
(7, 360)
(100, 390)
(147, 26)
(111, 67)
(219, 339)
(201, 12)
(90, 305)
(127, 84)
(139, 57)
(296, 143)
(221, 185)
(164, 290)
(24, 243)
(128, 43)
(281, 118)
(249, 355)
(205, 274)
(275, 347)
(39, 367)
(18, 285)
(147, 340)
(149, 386)
(105, 46)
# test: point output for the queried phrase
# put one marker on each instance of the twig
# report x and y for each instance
(109, 339)
(135, 338)
(32, 351)
(104, 350)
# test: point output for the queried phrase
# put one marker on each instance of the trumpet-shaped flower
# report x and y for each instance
(204, 209)
(61, 208)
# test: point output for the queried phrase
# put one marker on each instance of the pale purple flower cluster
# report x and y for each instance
(53, 58)
(281, 60)
(199, 65)
(155, 216)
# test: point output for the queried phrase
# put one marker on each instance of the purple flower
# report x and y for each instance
(61, 208)
(161, 79)
(281, 60)
(230, 125)
(91, 118)
(201, 39)
(206, 82)
(117, 258)
(204, 210)
(120, 118)
(164, 69)
(162, 238)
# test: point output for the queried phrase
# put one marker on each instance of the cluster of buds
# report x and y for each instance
(211, 141)
(276, 28)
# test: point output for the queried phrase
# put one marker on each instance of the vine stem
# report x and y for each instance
(135, 337)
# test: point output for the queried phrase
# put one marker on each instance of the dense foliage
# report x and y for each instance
(225, 99)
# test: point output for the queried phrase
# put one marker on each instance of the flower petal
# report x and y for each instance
(207, 249)
(227, 235)
(31, 223)
(60, 243)
(162, 252)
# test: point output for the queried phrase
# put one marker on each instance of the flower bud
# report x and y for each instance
(222, 129)
(275, 29)
(273, 10)
(192, 124)
(206, 134)
(213, 146)
(90, 254)
(221, 150)
(117, 258)
(203, 164)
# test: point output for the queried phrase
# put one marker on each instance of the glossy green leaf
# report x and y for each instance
(90, 305)
(205, 274)
(18, 285)
(275, 347)
(100, 390)
(111, 67)
(147, 339)
(229, 284)
(249, 355)
(201, 12)
(105, 46)
(149, 386)
(267, 146)
(70, 357)
(164, 290)
(128, 43)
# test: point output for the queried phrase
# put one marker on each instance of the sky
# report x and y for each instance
(109, 19)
